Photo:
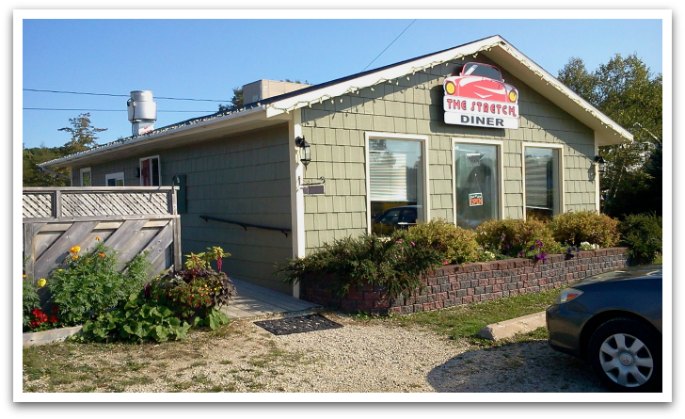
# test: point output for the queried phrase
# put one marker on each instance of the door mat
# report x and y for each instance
(300, 324)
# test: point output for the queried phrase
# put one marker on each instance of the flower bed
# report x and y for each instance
(453, 285)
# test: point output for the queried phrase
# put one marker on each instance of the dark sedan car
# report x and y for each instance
(613, 321)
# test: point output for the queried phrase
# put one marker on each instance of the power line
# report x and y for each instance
(70, 92)
(390, 44)
(106, 110)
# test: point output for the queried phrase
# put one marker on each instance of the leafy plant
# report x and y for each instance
(88, 285)
(393, 263)
(642, 233)
(573, 228)
(168, 306)
(137, 320)
(30, 302)
(517, 238)
(457, 244)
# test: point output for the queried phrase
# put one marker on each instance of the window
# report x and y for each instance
(86, 179)
(477, 182)
(150, 171)
(115, 179)
(542, 180)
(396, 183)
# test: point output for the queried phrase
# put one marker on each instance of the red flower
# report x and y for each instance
(38, 318)
(52, 319)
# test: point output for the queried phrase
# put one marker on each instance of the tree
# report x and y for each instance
(237, 101)
(34, 176)
(83, 134)
(624, 90)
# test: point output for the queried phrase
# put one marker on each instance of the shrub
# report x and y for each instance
(457, 244)
(642, 234)
(137, 320)
(196, 290)
(574, 228)
(88, 285)
(394, 263)
(517, 238)
(31, 319)
(168, 306)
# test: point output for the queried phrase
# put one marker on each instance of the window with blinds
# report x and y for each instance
(542, 182)
(395, 179)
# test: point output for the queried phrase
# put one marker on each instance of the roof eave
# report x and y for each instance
(114, 148)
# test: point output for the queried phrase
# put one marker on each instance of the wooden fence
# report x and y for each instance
(129, 220)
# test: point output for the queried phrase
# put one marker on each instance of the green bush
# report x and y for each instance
(642, 234)
(394, 263)
(169, 305)
(30, 303)
(137, 320)
(457, 244)
(517, 238)
(574, 228)
(89, 285)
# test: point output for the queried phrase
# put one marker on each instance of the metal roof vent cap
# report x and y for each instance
(142, 111)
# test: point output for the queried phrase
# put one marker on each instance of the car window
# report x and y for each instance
(390, 217)
(474, 69)
(408, 216)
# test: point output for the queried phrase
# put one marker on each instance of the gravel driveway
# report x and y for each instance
(361, 357)
(383, 358)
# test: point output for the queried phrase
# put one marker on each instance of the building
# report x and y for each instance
(441, 135)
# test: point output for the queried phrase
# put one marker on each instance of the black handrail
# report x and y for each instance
(285, 231)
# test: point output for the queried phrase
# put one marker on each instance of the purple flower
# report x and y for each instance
(538, 243)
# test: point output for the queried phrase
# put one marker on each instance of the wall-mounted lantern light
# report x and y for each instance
(305, 150)
(601, 164)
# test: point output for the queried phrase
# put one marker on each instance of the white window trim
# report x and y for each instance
(115, 176)
(85, 170)
(423, 140)
(159, 168)
(562, 171)
(500, 158)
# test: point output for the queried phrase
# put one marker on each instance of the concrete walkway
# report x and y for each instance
(255, 302)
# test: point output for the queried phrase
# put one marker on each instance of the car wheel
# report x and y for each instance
(626, 355)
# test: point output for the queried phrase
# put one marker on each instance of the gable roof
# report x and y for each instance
(276, 109)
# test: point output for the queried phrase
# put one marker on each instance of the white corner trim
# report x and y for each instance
(296, 194)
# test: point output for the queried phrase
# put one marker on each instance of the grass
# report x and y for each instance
(464, 322)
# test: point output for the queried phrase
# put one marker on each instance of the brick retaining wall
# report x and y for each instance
(453, 285)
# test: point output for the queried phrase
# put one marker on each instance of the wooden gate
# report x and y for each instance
(129, 220)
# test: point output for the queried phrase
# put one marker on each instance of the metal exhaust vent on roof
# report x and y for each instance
(142, 111)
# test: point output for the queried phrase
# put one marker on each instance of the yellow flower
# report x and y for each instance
(102, 255)
(75, 249)
(42, 282)
(74, 257)
(97, 238)
(23, 276)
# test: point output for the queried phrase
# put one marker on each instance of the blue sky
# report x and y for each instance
(206, 59)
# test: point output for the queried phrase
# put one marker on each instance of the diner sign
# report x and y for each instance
(479, 97)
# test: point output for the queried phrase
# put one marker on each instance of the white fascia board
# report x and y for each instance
(371, 79)
(184, 130)
(606, 130)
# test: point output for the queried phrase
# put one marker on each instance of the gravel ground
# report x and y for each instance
(361, 357)
(383, 358)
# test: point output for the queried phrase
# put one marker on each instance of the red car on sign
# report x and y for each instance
(480, 82)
